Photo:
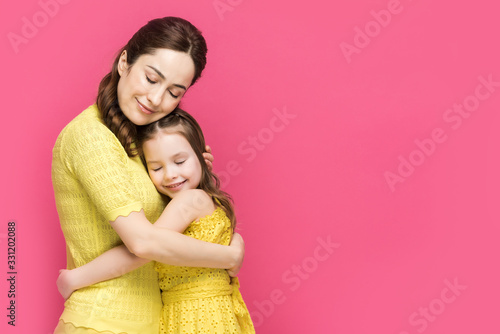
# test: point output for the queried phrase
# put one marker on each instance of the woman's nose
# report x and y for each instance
(155, 96)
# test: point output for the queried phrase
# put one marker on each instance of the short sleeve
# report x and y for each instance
(214, 228)
(92, 153)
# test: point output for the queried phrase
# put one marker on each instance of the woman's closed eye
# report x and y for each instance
(149, 80)
(154, 82)
(180, 162)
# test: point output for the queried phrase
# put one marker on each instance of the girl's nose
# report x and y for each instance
(171, 174)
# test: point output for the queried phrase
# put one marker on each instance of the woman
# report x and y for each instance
(104, 195)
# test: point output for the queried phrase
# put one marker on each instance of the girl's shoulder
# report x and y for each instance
(196, 201)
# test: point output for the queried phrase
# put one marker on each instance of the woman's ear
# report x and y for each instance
(122, 63)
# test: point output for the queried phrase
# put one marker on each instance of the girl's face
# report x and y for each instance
(153, 86)
(172, 163)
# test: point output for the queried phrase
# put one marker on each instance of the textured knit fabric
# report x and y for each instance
(203, 300)
(95, 182)
(69, 328)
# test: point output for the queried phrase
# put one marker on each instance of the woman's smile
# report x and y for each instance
(145, 109)
(153, 85)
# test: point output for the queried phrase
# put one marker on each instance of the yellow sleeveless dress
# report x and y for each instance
(203, 300)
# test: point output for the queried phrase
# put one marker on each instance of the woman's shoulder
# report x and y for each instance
(89, 119)
(85, 136)
(86, 128)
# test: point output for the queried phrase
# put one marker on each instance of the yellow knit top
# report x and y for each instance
(95, 182)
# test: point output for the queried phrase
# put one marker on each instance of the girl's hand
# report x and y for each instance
(64, 283)
(209, 158)
(239, 245)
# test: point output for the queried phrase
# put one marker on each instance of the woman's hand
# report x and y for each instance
(64, 283)
(209, 158)
(239, 245)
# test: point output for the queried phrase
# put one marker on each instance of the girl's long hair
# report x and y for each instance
(188, 127)
(164, 33)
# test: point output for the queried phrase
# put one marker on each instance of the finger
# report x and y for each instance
(209, 164)
(208, 149)
(208, 156)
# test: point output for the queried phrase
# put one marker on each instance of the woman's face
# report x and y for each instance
(153, 86)
(172, 163)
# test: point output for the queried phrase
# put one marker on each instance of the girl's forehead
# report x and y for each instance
(166, 142)
(167, 137)
(178, 128)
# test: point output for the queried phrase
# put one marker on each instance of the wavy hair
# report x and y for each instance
(171, 33)
(188, 127)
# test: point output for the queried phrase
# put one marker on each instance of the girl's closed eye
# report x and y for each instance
(155, 169)
(180, 162)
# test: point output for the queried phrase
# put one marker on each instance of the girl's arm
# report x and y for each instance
(179, 213)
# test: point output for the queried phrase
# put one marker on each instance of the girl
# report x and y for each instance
(104, 195)
(195, 300)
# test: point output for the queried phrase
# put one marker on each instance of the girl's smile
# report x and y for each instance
(172, 163)
(176, 186)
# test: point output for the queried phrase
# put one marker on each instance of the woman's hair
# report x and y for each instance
(179, 121)
(165, 33)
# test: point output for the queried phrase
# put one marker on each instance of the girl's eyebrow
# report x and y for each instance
(179, 154)
(163, 77)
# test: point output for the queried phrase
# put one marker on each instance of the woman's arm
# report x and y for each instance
(156, 243)
(151, 242)
(179, 213)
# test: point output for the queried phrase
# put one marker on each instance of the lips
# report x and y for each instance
(175, 185)
(145, 109)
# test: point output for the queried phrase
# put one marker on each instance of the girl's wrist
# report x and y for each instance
(72, 279)
(65, 283)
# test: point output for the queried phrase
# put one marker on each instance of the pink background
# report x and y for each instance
(359, 95)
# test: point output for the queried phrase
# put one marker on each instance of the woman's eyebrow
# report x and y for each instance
(163, 77)
(157, 71)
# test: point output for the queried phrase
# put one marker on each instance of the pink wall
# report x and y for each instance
(359, 139)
